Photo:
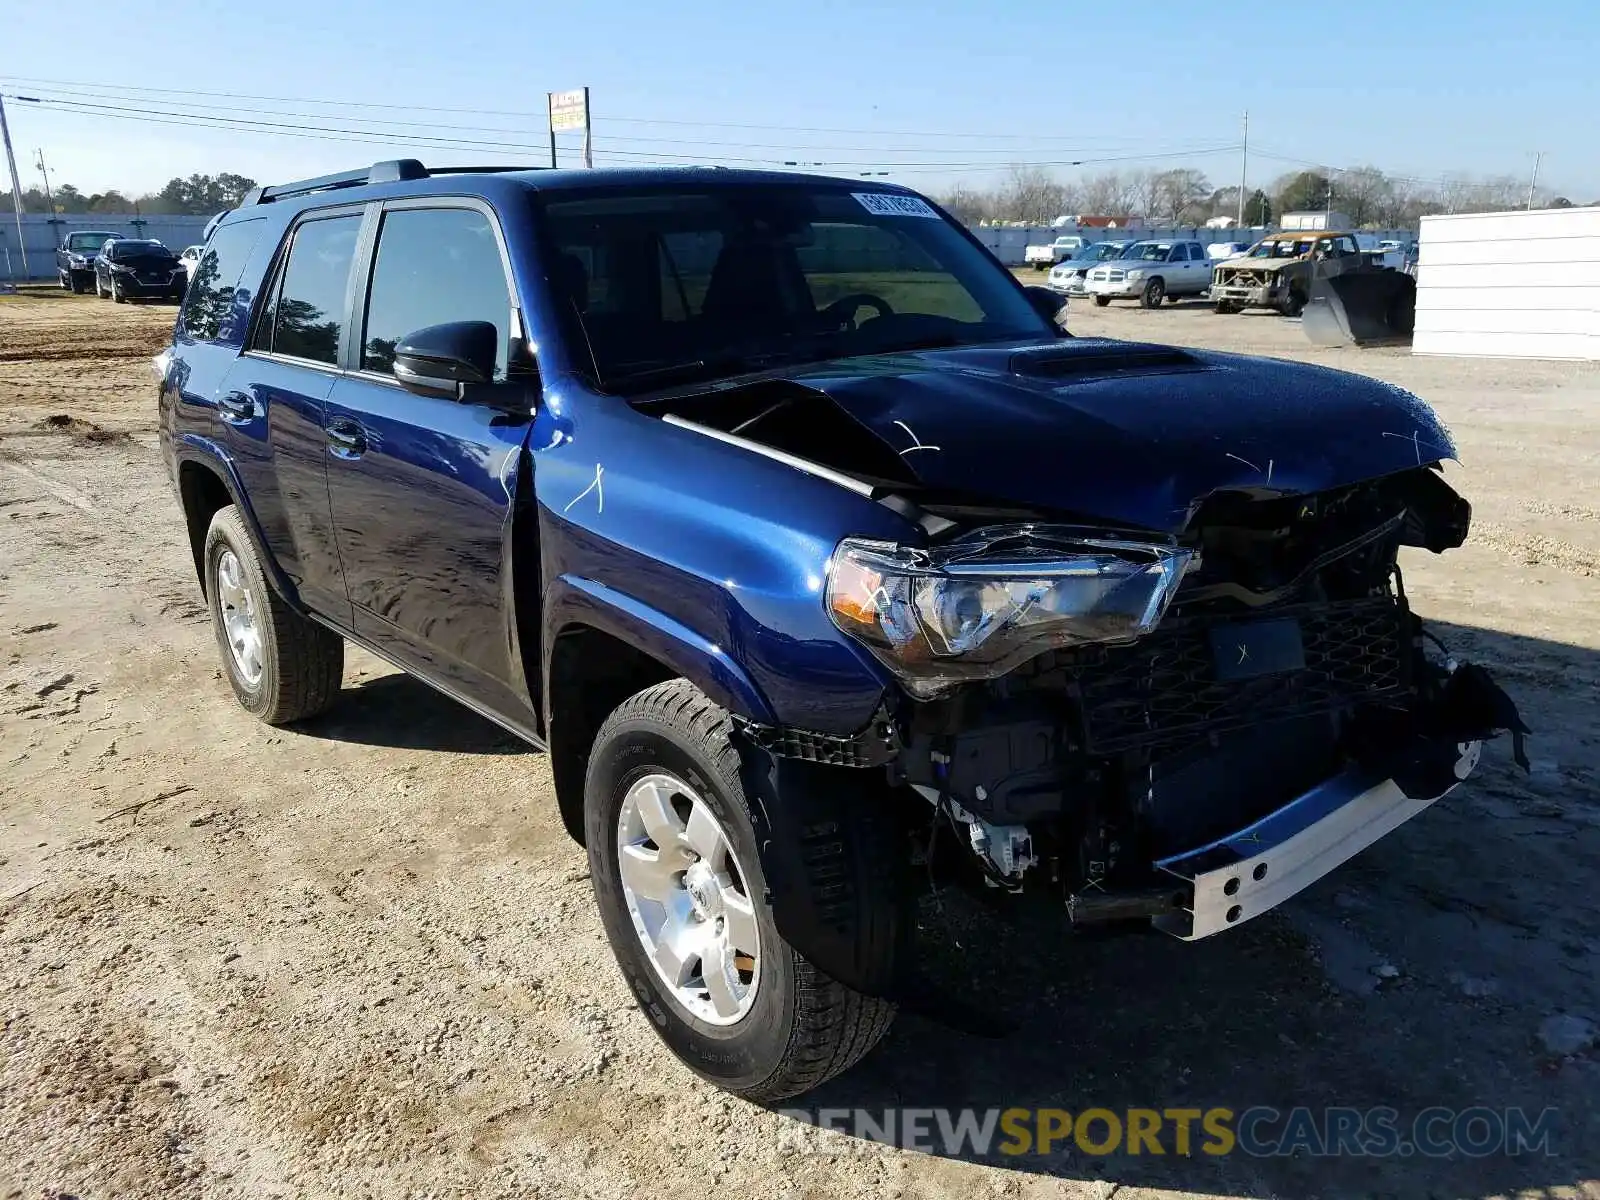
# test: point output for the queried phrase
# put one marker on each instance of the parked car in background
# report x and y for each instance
(1041, 258)
(1070, 278)
(76, 255)
(1151, 272)
(190, 258)
(1222, 251)
(137, 268)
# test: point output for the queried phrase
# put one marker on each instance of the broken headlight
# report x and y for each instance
(977, 607)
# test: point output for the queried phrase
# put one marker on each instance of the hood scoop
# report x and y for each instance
(1102, 359)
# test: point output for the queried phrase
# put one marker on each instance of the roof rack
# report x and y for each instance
(392, 170)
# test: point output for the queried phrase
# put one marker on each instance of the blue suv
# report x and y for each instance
(825, 564)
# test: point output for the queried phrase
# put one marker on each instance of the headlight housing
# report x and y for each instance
(1137, 274)
(977, 607)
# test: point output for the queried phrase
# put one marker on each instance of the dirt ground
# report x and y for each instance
(360, 958)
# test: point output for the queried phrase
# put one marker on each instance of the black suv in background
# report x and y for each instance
(75, 257)
(130, 269)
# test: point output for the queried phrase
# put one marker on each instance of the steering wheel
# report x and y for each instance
(843, 310)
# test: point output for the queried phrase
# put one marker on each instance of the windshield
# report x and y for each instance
(131, 249)
(1283, 248)
(1105, 251)
(666, 286)
(86, 241)
(1149, 251)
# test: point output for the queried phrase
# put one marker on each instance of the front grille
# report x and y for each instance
(1164, 689)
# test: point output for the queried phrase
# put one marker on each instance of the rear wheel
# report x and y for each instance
(669, 821)
(282, 666)
(1154, 292)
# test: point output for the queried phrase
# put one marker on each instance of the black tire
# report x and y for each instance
(98, 290)
(64, 278)
(1101, 301)
(117, 295)
(1154, 292)
(1227, 306)
(804, 1027)
(302, 663)
(1295, 304)
(78, 286)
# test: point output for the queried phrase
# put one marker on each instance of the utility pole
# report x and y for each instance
(1534, 182)
(588, 139)
(16, 186)
(49, 201)
(1244, 167)
(550, 123)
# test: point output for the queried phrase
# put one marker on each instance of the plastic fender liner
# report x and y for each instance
(837, 883)
(202, 450)
(827, 839)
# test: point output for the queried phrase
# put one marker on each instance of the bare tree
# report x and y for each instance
(968, 204)
(1108, 194)
(1180, 196)
(1363, 193)
(1034, 196)
(1142, 191)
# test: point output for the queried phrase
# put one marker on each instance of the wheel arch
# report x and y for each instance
(604, 646)
(207, 483)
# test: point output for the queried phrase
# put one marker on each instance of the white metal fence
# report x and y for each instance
(43, 234)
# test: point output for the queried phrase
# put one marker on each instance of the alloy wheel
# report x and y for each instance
(688, 898)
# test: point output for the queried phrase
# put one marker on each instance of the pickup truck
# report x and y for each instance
(1043, 257)
(825, 564)
(1151, 272)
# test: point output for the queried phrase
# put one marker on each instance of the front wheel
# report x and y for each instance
(117, 294)
(670, 829)
(1101, 301)
(1295, 305)
(1228, 306)
(1154, 293)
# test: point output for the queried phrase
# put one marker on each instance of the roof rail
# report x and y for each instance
(389, 171)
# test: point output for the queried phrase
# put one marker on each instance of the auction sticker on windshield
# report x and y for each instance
(884, 205)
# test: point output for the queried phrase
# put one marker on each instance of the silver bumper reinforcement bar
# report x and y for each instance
(1249, 872)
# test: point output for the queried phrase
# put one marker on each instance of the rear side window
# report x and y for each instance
(208, 308)
(434, 265)
(306, 316)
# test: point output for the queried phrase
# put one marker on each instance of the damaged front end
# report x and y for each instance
(1188, 729)
(1152, 645)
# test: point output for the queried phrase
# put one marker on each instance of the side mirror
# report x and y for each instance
(1049, 305)
(435, 360)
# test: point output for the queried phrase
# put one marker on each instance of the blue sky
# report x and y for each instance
(930, 91)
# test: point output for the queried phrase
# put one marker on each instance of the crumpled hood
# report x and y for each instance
(1128, 433)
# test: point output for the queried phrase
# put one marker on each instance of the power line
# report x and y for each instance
(89, 87)
(479, 145)
(627, 139)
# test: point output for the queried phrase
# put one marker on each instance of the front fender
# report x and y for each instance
(574, 600)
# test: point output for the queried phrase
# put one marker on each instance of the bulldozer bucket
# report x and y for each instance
(1361, 308)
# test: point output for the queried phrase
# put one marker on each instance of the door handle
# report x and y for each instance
(346, 440)
(237, 407)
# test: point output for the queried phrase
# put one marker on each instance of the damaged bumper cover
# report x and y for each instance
(1255, 869)
(1261, 295)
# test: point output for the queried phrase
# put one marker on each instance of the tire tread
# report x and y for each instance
(835, 1026)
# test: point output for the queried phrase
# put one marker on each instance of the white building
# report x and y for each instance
(1510, 284)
